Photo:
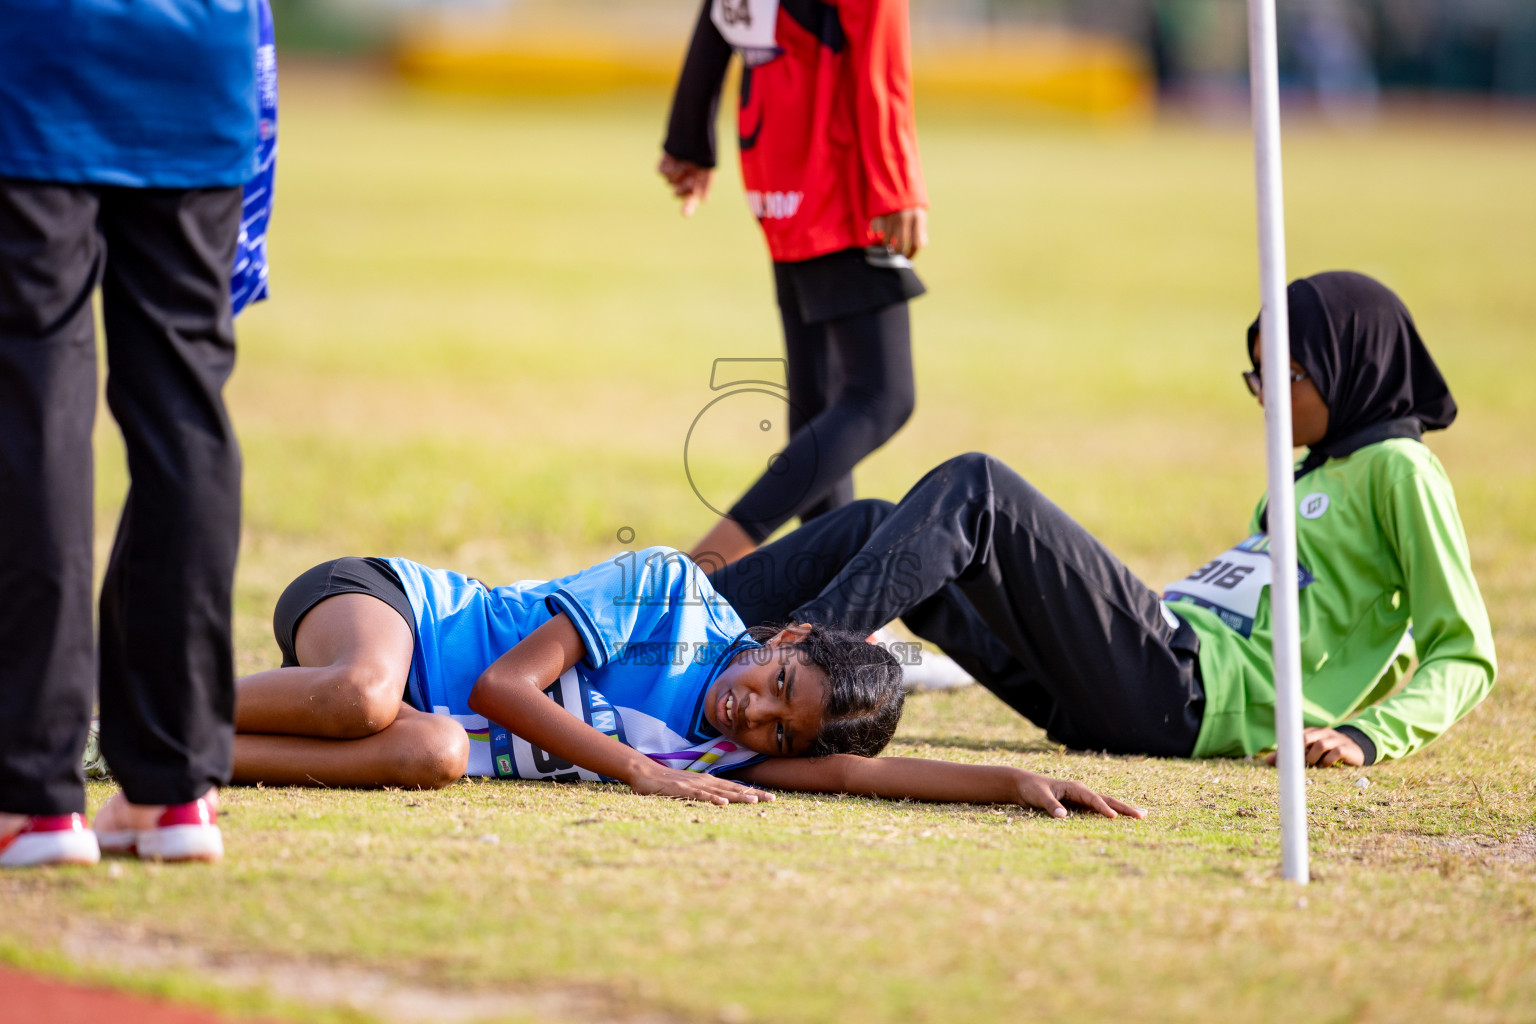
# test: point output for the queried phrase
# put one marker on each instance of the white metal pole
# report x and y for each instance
(1264, 84)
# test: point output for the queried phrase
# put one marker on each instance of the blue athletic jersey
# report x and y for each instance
(141, 93)
(656, 636)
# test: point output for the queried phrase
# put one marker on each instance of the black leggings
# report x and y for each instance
(977, 561)
(850, 390)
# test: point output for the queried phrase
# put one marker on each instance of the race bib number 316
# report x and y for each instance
(1232, 584)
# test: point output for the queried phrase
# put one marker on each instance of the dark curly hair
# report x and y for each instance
(864, 691)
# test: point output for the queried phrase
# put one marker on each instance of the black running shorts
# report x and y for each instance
(842, 284)
(371, 576)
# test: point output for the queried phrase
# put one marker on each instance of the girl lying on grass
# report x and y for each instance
(635, 670)
(979, 562)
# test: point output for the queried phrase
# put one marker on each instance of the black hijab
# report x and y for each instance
(1357, 342)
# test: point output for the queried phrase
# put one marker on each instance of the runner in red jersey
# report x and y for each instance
(829, 159)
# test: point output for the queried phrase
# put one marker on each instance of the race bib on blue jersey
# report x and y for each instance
(512, 757)
(1232, 583)
(750, 26)
(248, 280)
(496, 751)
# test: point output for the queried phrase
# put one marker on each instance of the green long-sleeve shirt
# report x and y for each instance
(1381, 549)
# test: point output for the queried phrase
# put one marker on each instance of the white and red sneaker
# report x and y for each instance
(50, 839)
(188, 831)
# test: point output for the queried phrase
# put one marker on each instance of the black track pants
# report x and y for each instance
(977, 561)
(162, 258)
(850, 389)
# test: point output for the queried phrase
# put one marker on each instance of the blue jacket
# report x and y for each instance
(139, 93)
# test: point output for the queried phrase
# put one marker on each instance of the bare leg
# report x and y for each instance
(416, 750)
(354, 657)
(336, 719)
(725, 542)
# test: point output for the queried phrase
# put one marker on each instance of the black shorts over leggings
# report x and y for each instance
(371, 576)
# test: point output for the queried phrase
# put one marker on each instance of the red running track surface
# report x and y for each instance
(27, 999)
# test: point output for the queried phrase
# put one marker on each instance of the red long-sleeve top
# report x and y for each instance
(826, 128)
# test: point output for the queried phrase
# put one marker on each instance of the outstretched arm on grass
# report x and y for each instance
(914, 778)
(511, 692)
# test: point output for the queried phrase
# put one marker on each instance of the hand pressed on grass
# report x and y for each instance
(916, 778)
(1325, 748)
(681, 785)
(1051, 795)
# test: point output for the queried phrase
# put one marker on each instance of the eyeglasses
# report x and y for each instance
(1255, 380)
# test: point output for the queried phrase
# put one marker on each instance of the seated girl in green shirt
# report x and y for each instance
(977, 561)
(1385, 570)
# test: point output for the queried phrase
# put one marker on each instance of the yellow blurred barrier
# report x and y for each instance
(522, 65)
(1057, 71)
(1048, 70)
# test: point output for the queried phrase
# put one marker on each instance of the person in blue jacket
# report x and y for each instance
(127, 130)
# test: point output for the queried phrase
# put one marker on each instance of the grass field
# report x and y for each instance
(489, 334)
